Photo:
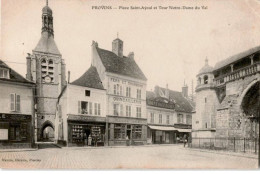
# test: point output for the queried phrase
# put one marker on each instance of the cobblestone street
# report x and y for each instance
(174, 156)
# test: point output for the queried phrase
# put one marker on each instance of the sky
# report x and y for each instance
(170, 46)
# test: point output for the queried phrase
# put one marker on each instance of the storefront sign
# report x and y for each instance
(128, 100)
(160, 104)
(113, 119)
(116, 80)
(15, 117)
(86, 118)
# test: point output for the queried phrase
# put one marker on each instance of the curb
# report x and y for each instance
(17, 150)
(224, 153)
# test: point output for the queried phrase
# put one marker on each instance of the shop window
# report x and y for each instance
(179, 118)
(119, 131)
(152, 117)
(138, 112)
(128, 91)
(138, 93)
(160, 118)
(15, 102)
(87, 93)
(15, 132)
(4, 73)
(128, 111)
(167, 119)
(137, 132)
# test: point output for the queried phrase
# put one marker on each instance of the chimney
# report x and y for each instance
(29, 67)
(167, 93)
(117, 47)
(131, 55)
(68, 76)
(185, 90)
(156, 91)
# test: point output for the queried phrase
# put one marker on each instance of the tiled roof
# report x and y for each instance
(120, 65)
(89, 79)
(206, 69)
(47, 44)
(14, 76)
(236, 57)
(181, 103)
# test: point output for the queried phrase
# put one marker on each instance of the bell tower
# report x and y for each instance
(47, 70)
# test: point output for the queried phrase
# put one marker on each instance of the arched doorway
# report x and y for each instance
(47, 132)
(250, 107)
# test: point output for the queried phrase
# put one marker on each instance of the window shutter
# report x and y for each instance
(12, 102)
(90, 108)
(99, 109)
(18, 103)
(121, 110)
(79, 107)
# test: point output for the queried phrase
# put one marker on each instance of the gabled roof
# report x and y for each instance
(89, 79)
(236, 57)
(47, 44)
(181, 103)
(120, 65)
(14, 76)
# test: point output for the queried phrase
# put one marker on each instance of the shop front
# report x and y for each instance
(15, 131)
(183, 132)
(86, 130)
(126, 131)
(161, 134)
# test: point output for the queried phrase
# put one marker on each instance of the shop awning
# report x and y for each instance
(184, 130)
(164, 128)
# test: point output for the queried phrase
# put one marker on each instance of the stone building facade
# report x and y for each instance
(233, 98)
(125, 86)
(169, 115)
(46, 68)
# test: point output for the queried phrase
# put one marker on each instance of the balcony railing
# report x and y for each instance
(237, 74)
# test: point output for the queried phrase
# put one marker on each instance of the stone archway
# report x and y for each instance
(47, 131)
(250, 106)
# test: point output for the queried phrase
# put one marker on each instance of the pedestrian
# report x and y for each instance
(89, 140)
(185, 140)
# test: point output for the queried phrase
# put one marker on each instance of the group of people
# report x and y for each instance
(184, 140)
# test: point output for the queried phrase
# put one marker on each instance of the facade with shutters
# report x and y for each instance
(16, 109)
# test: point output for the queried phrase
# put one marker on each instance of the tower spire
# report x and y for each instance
(47, 20)
(206, 61)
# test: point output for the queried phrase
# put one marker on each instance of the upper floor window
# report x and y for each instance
(4, 73)
(47, 70)
(128, 91)
(118, 109)
(138, 112)
(180, 118)
(188, 119)
(128, 111)
(205, 79)
(15, 102)
(138, 93)
(167, 119)
(160, 118)
(87, 92)
(85, 107)
(118, 90)
(152, 117)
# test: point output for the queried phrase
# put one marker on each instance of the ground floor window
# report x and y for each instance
(137, 131)
(119, 131)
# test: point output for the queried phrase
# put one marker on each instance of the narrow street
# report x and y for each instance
(158, 157)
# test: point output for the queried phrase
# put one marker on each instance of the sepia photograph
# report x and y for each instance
(130, 84)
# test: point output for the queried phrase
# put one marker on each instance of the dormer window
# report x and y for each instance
(4, 73)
